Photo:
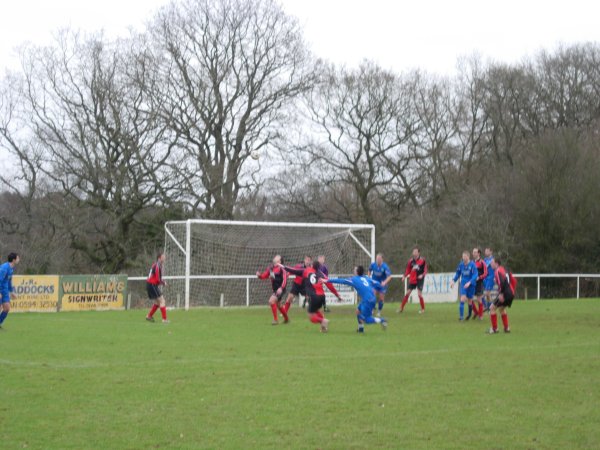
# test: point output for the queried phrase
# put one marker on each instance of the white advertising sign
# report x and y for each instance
(437, 289)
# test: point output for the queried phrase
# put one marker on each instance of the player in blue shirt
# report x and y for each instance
(365, 287)
(467, 272)
(380, 271)
(6, 286)
(488, 283)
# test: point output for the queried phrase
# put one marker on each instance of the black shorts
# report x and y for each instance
(153, 291)
(418, 286)
(506, 303)
(479, 288)
(297, 289)
(315, 303)
(280, 295)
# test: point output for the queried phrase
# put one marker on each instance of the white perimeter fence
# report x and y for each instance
(530, 286)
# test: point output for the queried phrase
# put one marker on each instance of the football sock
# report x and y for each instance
(287, 306)
(283, 312)
(163, 312)
(274, 311)
(494, 318)
(315, 318)
(380, 305)
(470, 309)
(422, 302)
(404, 301)
(505, 321)
(3, 315)
(481, 309)
(461, 309)
(152, 310)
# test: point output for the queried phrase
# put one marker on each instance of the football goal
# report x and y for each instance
(214, 262)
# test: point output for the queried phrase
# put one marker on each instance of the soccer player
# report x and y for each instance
(416, 269)
(365, 287)
(481, 276)
(6, 286)
(488, 283)
(278, 278)
(298, 285)
(313, 286)
(153, 284)
(506, 294)
(325, 271)
(380, 271)
(467, 272)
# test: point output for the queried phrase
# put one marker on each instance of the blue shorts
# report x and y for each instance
(5, 297)
(365, 309)
(468, 292)
(383, 289)
(488, 284)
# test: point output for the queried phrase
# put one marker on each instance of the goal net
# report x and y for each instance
(214, 263)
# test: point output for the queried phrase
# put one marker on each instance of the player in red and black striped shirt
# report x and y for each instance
(278, 278)
(506, 294)
(482, 273)
(313, 286)
(416, 269)
(153, 285)
(298, 284)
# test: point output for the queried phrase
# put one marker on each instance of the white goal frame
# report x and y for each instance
(186, 247)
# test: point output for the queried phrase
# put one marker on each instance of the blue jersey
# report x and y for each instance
(379, 273)
(467, 273)
(6, 286)
(364, 286)
(491, 275)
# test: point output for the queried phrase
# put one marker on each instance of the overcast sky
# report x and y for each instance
(397, 34)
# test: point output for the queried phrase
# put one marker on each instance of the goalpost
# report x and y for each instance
(214, 262)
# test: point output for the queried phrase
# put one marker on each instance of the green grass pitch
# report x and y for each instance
(228, 379)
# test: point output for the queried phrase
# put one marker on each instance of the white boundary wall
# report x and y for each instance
(437, 285)
(437, 289)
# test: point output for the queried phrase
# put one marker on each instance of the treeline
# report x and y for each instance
(104, 140)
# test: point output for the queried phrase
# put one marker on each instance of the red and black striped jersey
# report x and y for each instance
(155, 275)
(277, 275)
(415, 268)
(503, 280)
(299, 280)
(312, 279)
(482, 270)
(313, 282)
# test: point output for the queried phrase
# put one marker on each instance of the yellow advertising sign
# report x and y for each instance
(92, 292)
(37, 293)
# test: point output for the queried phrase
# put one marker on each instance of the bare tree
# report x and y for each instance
(28, 219)
(104, 146)
(230, 69)
(509, 96)
(472, 117)
(360, 124)
(436, 109)
(22, 158)
(567, 84)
